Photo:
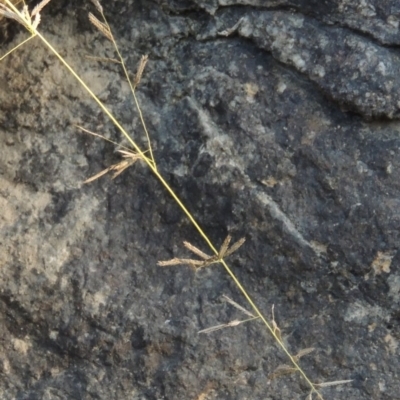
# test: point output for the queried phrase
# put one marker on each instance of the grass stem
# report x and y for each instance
(150, 161)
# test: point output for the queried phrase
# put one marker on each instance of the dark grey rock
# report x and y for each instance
(257, 144)
(379, 19)
(349, 68)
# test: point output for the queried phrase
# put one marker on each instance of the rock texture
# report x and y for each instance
(273, 120)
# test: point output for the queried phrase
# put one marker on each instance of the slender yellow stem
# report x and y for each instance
(16, 47)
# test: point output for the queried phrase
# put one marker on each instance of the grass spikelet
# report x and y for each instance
(196, 251)
(233, 323)
(303, 353)
(39, 7)
(98, 6)
(238, 306)
(9, 10)
(207, 259)
(129, 155)
(333, 383)
(282, 370)
(29, 20)
(7, 13)
(233, 248)
(139, 73)
(102, 27)
(275, 326)
(130, 158)
(12, 13)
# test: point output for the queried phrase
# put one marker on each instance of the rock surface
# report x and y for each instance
(273, 120)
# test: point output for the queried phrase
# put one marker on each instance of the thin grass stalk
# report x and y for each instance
(16, 47)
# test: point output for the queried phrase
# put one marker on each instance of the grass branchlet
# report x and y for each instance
(104, 28)
(129, 158)
(207, 260)
(101, 26)
(234, 322)
(30, 21)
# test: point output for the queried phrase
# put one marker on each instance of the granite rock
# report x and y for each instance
(282, 129)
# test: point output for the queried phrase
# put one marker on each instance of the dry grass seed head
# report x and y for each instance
(233, 323)
(238, 306)
(131, 158)
(39, 7)
(98, 6)
(7, 12)
(282, 370)
(207, 260)
(139, 73)
(14, 2)
(224, 247)
(333, 383)
(196, 251)
(101, 26)
(234, 247)
(275, 326)
(303, 352)
(30, 20)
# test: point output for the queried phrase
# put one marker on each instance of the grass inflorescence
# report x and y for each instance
(30, 20)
